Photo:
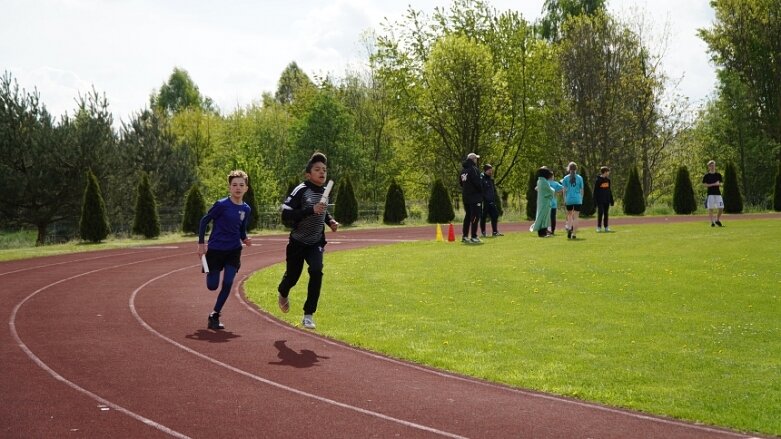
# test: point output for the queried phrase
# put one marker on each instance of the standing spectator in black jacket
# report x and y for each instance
(472, 196)
(489, 202)
(603, 197)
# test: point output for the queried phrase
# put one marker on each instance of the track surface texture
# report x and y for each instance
(114, 344)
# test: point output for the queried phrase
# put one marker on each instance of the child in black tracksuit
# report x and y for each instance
(603, 197)
(489, 202)
(472, 196)
(306, 212)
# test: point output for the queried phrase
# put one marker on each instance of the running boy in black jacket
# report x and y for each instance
(305, 211)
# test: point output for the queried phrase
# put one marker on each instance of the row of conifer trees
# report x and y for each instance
(94, 225)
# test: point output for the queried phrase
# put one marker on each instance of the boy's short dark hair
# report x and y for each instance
(603, 169)
(544, 172)
(487, 167)
(317, 157)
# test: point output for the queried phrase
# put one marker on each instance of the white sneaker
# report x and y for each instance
(607, 229)
(308, 321)
(599, 229)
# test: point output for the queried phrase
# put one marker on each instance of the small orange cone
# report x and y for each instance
(451, 233)
(439, 234)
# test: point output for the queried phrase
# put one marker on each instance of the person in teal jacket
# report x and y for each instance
(554, 204)
(545, 194)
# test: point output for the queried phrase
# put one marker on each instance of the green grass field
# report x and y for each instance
(681, 320)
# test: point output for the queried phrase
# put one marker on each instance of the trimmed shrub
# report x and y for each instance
(395, 205)
(146, 221)
(634, 204)
(589, 208)
(684, 202)
(194, 209)
(531, 196)
(440, 208)
(777, 190)
(252, 202)
(93, 225)
(733, 201)
(346, 209)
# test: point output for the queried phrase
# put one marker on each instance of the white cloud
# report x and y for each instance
(236, 50)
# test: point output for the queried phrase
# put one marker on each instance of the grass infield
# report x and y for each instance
(681, 320)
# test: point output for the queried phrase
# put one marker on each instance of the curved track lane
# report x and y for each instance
(113, 344)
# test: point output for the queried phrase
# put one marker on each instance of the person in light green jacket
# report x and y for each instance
(545, 194)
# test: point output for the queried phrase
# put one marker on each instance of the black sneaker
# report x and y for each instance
(214, 321)
(713, 224)
(569, 233)
(718, 223)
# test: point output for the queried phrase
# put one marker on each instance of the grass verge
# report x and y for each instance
(678, 320)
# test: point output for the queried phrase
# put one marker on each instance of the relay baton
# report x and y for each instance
(327, 191)
(204, 264)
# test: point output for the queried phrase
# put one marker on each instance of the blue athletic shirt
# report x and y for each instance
(572, 192)
(229, 227)
(557, 187)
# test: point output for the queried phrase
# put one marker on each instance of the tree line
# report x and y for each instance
(578, 85)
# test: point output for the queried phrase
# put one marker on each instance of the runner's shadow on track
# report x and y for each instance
(288, 357)
(212, 336)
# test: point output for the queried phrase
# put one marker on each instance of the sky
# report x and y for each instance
(234, 50)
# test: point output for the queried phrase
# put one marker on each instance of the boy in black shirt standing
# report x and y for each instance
(713, 181)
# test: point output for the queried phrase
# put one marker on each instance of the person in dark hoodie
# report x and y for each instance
(603, 197)
(489, 202)
(472, 196)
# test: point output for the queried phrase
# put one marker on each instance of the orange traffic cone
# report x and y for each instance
(451, 233)
(439, 234)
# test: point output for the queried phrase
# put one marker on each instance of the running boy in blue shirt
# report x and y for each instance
(230, 216)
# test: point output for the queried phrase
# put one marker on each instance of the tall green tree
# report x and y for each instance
(633, 201)
(249, 198)
(178, 93)
(146, 221)
(588, 208)
(147, 144)
(440, 207)
(531, 196)
(38, 180)
(684, 202)
(466, 80)
(733, 201)
(556, 12)
(93, 225)
(744, 41)
(395, 211)
(294, 86)
(194, 209)
(346, 209)
(327, 127)
(611, 94)
(777, 189)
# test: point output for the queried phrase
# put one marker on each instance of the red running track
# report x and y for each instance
(114, 344)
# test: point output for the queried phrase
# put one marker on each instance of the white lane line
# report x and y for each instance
(267, 381)
(38, 267)
(71, 384)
